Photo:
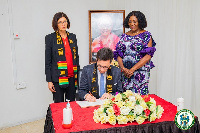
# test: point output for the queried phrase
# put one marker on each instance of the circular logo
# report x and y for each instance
(184, 119)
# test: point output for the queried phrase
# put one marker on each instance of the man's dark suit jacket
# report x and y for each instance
(51, 55)
(86, 80)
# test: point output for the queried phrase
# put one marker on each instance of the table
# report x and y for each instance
(84, 123)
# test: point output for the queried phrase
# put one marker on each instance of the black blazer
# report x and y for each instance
(86, 80)
(51, 55)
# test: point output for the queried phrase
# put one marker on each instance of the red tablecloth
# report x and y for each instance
(83, 117)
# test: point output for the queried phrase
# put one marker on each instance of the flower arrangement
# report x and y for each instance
(128, 107)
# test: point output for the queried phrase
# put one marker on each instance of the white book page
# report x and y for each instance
(85, 104)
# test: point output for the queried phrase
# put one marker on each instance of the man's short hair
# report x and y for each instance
(105, 54)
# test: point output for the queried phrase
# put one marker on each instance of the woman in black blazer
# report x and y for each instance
(61, 59)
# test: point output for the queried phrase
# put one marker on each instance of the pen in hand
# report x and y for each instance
(90, 93)
(92, 99)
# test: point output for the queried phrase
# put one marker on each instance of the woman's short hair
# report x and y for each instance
(142, 22)
(105, 54)
(56, 17)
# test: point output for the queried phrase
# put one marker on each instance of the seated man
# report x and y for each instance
(101, 79)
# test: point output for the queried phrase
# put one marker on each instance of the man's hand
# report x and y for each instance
(106, 96)
(51, 87)
(90, 98)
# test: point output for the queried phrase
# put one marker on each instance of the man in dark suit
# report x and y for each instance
(101, 79)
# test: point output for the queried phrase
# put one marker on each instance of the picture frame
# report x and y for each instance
(105, 29)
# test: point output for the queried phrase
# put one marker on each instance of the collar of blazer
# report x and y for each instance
(109, 82)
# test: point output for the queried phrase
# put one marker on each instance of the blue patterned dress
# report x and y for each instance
(131, 49)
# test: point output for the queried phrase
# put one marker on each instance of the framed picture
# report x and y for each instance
(105, 29)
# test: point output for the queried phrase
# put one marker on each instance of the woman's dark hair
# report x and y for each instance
(141, 19)
(56, 17)
(105, 54)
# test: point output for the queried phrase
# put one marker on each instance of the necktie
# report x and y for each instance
(102, 89)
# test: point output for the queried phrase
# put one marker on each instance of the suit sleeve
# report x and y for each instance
(48, 57)
(77, 60)
(77, 55)
(119, 82)
(83, 89)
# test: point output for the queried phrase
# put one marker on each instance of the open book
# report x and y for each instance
(85, 104)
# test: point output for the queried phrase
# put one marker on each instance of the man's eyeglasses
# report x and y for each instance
(104, 67)
(60, 22)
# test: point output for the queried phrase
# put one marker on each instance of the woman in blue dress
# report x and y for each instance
(134, 52)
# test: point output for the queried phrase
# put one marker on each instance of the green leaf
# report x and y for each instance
(131, 113)
(149, 104)
(156, 109)
(149, 116)
(104, 110)
(143, 116)
(143, 113)
(123, 97)
(137, 102)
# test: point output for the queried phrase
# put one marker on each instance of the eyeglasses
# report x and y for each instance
(104, 67)
(60, 22)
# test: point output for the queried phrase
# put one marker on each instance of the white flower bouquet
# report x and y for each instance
(128, 107)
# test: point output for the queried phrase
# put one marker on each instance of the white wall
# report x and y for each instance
(23, 59)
